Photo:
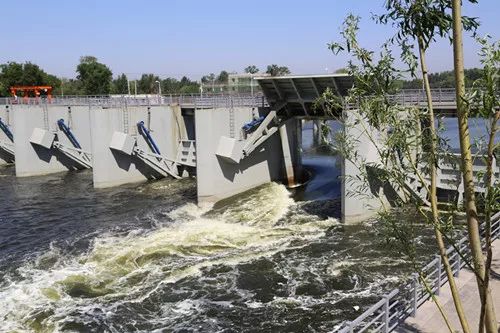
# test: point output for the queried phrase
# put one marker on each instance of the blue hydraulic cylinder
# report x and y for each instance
(66, 130)
(6, 130)
(147, 136)
(249, 127)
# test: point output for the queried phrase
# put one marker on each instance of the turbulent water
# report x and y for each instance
(146, 258)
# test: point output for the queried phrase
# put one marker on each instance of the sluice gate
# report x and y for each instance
(6, 137)
(7, 145)
(164, 165)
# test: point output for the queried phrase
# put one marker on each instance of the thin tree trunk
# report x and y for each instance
(490, 323)
(438, 304)
(433, 194)
(488, 212)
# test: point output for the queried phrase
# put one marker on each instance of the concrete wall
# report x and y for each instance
(31, 159)
(6, 116)
(112, 168)
(358, 205)
(219, 179)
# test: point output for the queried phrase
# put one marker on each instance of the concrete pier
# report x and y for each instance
(34, 120)
(219, 178)
(360, 201)
(112, 167)
(6, 144)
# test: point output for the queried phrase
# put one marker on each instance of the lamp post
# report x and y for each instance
(159, 87)
(159, 91)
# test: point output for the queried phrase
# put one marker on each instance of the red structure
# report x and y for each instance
(37, 90)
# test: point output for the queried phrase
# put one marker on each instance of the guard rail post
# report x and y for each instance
(414, 283)
(438, 281)
(386, 314)
(459, 260)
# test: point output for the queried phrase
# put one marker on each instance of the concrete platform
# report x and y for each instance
(428, 318)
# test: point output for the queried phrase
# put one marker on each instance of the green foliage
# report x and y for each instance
(275, 70)
(342, 70)
(210, 78)
(445, 79)
(27, 74)
(223, 77)
(94, 76)
(393, 130)
(184, 86)
(252, 69)
(147, 84)
(120, 85)
(70, 87)
(420, 21)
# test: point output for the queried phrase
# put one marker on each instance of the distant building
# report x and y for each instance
(244, 83)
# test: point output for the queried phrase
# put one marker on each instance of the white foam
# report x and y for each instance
(247, 230)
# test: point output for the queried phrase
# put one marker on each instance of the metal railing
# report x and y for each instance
(195, 100)
(417, 97)
(395, 307)
(408, 97)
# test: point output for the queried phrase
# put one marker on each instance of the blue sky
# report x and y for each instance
(195, 37)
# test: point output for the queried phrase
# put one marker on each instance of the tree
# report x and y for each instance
(95, 78)
(70, 87)
(487, 309)
(27, 74)
(148, 84)
(375, 77)
(421, 21)
(275, 70)
(210, 78)
(342, 70)
(252, 69)
(223, 77)
(170, 85)
(120, 85)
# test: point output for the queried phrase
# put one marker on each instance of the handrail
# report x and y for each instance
(411, 295)
(404, 97)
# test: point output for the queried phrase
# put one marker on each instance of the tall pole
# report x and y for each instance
(135, 87)
(159, 91)
(478, 261)
(159, 87)
(128, 86)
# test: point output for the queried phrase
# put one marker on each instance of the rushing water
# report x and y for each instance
(146, 258)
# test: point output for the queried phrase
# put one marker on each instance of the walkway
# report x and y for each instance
(428, 318)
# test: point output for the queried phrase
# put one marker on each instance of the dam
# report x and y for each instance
(215, 242)
(231, 144)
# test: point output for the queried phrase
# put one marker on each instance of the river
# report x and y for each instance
(146, 258)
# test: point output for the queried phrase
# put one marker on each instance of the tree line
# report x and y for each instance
(96, 78)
